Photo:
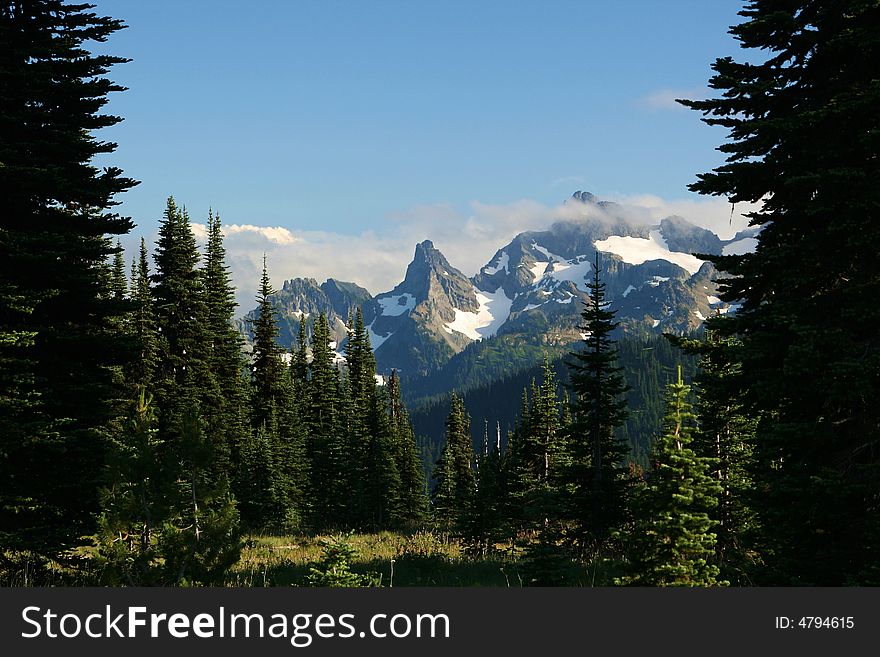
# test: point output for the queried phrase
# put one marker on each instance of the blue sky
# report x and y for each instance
(354, 117)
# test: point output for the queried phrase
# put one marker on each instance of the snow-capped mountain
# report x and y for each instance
(431, 315)
(534, 286)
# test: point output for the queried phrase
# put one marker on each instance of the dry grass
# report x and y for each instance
(421, 559)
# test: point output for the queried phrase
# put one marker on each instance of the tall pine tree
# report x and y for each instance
(672, 543)
(269, 372)
(326, 445)
(59, 346)
(143, 368)
(412, 501)
(229, 403)
(726, 435)
(597, 476)
(453, 473)
(810, 359)
(202, 510)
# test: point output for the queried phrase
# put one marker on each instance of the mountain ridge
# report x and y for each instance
(533, 287)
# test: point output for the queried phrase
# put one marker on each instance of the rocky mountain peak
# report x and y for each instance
(584, 197)
(681, 235)
(429, 267)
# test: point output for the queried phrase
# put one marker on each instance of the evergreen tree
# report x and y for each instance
(671, 543)
(59, 347)
(202, 537)
(518, 479)
(268, 369)
(453, 473)
(271, 473)
(412, 502)
(299, 369)
(201, 534)
(366, 450)
(597, 475)
(725, 434)
(135, 501)
(229, 422)
(219, 295)
(809, 359)
(543, 451)
(292, 468)
(360, 361)
(118, 283)
(483, 524)
(143, 324)
(179, 305)
(256, 487)
(325, 446)
(382, 476)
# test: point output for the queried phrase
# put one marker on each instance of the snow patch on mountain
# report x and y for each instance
(574, 270)
(503, 262)
(493, 312)
(552, 257)
(538, 269)
(636, 250)
(376, 340)
(559, 269)
(397, 305)
(740, 247)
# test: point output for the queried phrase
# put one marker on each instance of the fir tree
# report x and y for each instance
(118, 283)
(143, 324)
(135, 501)
(412, 502)
(367, 455)
(542, 449)
(201, 538)
(382, 476)
(268, 368)
(201, 533)
(453, 473)
(272, 469)
(809, 359)
(299, 369)
(256, 488)
(59, 347)
(517, 476)
(179, 304)
(326, 430)
(597, 475)
(672, 543)
(725, 434)
(483, 524)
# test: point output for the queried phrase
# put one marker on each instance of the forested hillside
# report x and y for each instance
(649, 363)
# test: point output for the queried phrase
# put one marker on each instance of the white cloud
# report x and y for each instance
(274, 234)
(664, 99)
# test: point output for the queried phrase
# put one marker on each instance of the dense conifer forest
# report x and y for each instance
(140, 444)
